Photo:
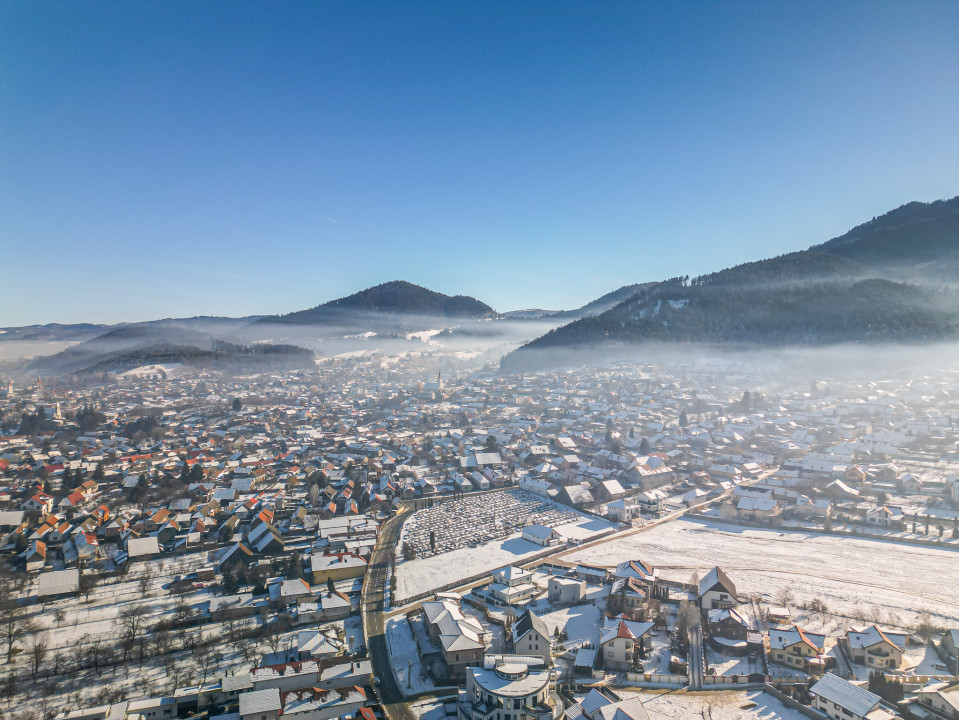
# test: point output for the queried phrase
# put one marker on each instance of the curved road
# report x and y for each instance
(375, 593)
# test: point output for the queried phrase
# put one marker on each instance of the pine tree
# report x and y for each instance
(683, 419)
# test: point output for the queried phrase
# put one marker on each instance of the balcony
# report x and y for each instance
(475, 711)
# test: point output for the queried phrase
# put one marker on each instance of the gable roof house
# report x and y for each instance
(841, 700)
(542, 535)
(716, 590)
(596, 706)
(531, 637)
(622, 642)
(461, 638)
(876, 648)
(939, 699)
(796, 648)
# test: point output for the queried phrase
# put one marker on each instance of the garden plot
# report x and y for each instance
(717, 705)
(867, 580)
(77, 629)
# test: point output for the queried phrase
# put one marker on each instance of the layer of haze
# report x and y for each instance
(173, 158)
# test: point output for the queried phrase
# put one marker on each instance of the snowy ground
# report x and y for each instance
(715, 705)
(729, 664)
(423, 574)
(580, 622)
(402, 651)
(438, 709)
(852, 576)
(94, 624)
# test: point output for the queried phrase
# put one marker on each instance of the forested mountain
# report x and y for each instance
(389, 299)
(911, 235)
(168, 341)
(600, 304)
(832, 293)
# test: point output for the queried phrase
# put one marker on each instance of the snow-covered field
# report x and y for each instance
(143, 371)
(715, 705)
(852, 576)
(422, 574)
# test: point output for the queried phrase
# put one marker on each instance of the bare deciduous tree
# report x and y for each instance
(131, 620)
(37, 649)
(14, 624)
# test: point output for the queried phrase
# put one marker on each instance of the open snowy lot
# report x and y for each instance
(852, 576)
(411, 676)
(715, 705)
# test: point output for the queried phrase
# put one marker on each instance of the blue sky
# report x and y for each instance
(165, 159)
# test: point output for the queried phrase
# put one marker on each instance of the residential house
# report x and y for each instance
(622, 642)
(565, 591)
(884, 516)
(727, 623)
(796, 648)
(512, 586)
(260, 704)
(596, 706)
(758, 509)
(876, 648)
(630, 596)
(652, 502)
(716, 590)
(841, 700)
(620, 511)
(531, 637)
(939, 700)
(460, 637)
(338, 567)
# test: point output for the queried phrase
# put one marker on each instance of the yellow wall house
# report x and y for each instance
(338, 566)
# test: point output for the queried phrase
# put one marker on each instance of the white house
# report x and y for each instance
(508, 691)
(531, 637)
(621, 641)
(542, 535)
(716, 590)
(651, 501)
(619, 511)
(512, 586)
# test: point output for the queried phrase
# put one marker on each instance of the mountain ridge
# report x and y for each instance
(394, 298)
(837, 291)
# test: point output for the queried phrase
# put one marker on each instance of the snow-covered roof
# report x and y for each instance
(853, 698)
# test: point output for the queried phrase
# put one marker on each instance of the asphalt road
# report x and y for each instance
(696, 657)
(375, 593)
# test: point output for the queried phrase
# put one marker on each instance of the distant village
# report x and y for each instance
(386, 538)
